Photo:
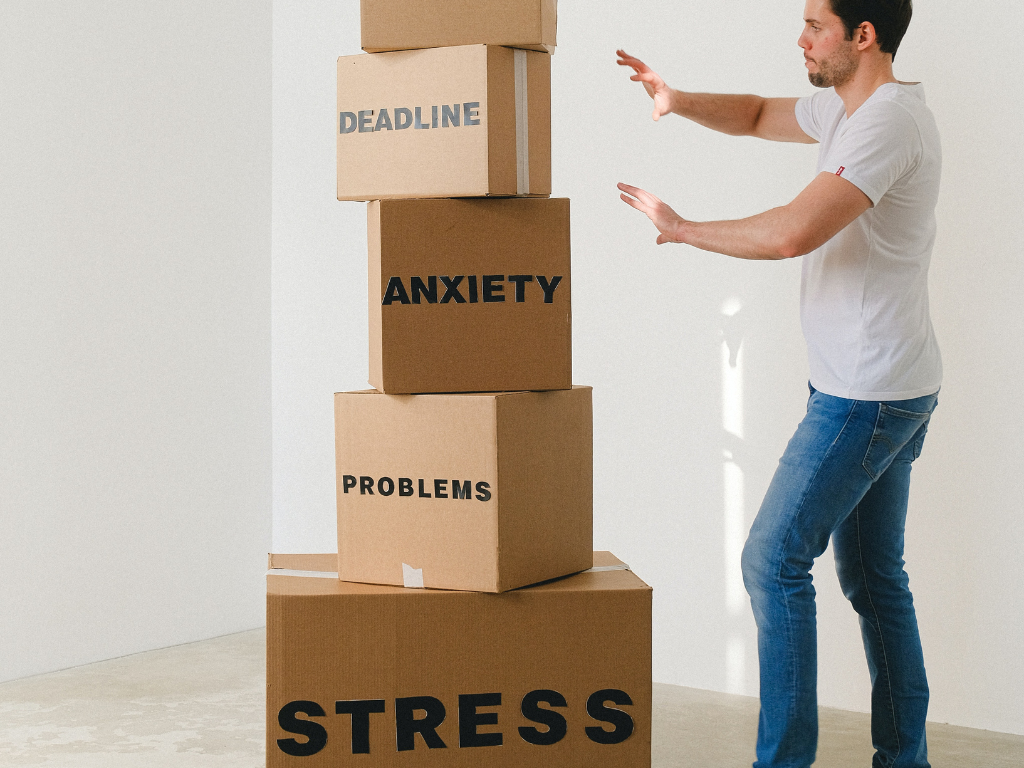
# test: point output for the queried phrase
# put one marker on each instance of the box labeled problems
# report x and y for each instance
(483, 492)
(392, 25)
(558, 674)
(468, 121)
(469, 295)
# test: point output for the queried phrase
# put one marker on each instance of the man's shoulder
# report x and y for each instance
(901, 104)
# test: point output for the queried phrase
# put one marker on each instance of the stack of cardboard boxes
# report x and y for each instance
(465, 476)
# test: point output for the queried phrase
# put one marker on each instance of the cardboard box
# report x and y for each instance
(469, 295)
(468, 121)
(384, 677)
(394, 25)
(485, 492)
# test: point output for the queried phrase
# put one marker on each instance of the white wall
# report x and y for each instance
(319, 271)
(134, 326)
(649, 329)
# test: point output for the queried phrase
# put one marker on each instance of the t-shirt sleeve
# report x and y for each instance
(879, 145)
(810, 113)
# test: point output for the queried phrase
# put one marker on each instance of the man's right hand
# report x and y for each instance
(734, 114)
(656, 88)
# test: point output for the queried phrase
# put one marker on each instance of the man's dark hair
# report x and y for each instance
(890, 18)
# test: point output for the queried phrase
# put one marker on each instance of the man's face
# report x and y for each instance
(830, 58)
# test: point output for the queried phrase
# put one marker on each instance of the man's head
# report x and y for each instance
(890, 18)
(838, 34)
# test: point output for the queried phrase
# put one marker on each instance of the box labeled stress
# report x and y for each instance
(468, 121)
(469, 295)
(484, 492)
(385, 677)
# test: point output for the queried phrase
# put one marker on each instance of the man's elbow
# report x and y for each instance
(798, 237)
(754, 128)
(791, 245)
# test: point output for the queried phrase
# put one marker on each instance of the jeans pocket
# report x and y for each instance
(894, 428)
(919, 440)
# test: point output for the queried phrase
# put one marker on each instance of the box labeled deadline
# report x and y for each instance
(469, 295)
(483, 492)
(558, 674)
(468, 121)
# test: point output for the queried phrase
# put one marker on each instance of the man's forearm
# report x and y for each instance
(768, 235)
(823, 208)
(734, 114)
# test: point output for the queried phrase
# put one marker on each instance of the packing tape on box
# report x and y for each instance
(599, 568)
(522, 126)
(412, 577)
(306, 574)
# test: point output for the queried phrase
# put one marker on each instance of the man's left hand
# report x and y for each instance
(663, 217)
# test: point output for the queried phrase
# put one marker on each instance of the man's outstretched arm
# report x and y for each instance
(736, 115)
(814, 217)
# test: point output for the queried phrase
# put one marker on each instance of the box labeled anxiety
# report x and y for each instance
(469, 295)
(392, 25)
(558, 674)
(484, 492)
(467, 121)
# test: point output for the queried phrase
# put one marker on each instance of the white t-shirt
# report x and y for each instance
(864, 293)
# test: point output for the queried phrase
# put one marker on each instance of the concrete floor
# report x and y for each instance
(201, 706)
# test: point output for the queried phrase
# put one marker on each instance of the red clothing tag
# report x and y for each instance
(840, 171)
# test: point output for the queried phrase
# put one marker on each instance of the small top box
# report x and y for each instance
(396, 25)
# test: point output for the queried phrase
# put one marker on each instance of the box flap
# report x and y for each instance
(605, 577)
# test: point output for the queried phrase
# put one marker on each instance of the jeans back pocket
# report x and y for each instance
(894, 428)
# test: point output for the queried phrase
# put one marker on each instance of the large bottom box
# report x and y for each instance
(558, 674)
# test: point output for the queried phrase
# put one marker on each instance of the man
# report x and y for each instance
(865, 226)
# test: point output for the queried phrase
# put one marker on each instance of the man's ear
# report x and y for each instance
(864, 36)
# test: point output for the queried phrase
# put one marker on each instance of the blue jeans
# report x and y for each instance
(845, 474)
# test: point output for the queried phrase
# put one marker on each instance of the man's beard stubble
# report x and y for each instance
(834, 71)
